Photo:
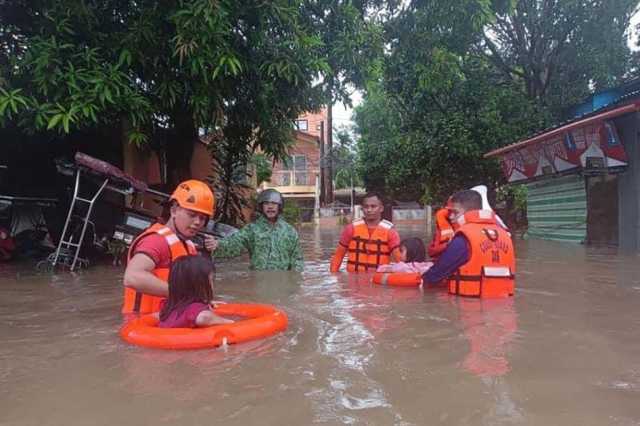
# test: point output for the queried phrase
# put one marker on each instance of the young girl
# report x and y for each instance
(190, 294)
(412, 256)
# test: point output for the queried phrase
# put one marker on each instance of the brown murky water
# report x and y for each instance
(564, 351)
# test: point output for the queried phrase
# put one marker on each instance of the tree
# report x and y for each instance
(145, 67)
(351, 43)
(425, 126)
(345, 159)
(263, 168)
(464, 77)
(561, 50)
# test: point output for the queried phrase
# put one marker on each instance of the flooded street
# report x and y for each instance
(564, 351)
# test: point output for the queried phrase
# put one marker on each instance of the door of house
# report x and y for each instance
(602, 209)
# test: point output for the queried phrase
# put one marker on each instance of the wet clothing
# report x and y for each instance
(184, 318)
(141, 303)
(360, 243)
(347, 235)
(490, 270)
(455, 255)
(270, 246)
(156, 248)
(406, 267)
(444, 234)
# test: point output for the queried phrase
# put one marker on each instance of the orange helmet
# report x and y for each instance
(195, 195)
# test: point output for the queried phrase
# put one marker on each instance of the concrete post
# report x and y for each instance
(316, 207)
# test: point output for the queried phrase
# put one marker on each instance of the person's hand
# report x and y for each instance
(214, 303)
(210, 243)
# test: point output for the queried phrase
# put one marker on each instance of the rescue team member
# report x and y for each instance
(272, 243)
(446, 227)
(152, 253)
(479, 260)
(444, 231)
(369, 242)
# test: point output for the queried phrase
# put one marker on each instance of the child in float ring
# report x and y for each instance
(412, 255)
(190, 295)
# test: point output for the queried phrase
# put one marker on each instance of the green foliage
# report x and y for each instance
(291, 213)
(560, 51)
(263, 168)
(245, 69)
(345, 158)
(461, 78)
(349, 43)
(229, 181)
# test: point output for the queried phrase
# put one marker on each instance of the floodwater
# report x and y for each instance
(564, 351)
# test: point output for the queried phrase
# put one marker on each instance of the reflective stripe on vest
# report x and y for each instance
(138, 302)
(368, 251)
(490, 270)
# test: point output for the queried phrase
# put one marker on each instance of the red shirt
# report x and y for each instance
(186, 318)
(155, 246)
(347, 235)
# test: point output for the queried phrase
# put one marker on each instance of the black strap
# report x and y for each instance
(378, 241)
(357, 261)
(138, 302)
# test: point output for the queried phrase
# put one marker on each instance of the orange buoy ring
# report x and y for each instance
(398, 279)
(261, 321)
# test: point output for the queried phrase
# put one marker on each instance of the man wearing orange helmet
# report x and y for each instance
(152, 252)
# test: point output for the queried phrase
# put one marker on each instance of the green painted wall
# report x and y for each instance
(557, 209)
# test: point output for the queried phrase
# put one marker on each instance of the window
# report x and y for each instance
(302, 125)
(294, 171)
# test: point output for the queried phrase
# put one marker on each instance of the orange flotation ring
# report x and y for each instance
(261, 321)
(398, 279)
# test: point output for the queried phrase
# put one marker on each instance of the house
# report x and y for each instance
(298, 178)
(294, 178)
(583, 175)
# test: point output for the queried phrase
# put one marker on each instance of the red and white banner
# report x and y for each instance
(595, 145)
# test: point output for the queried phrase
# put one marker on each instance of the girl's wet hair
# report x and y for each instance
(188, 283)
(416, 251)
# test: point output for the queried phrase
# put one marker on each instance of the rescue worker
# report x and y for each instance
(369, 242)
(446, 226)
(272, 243)
(444, 231)
(155, 249)
(479, 261)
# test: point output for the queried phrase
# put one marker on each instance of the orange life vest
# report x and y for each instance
(368, 251)
(138, 302)
(444, 233)
(490, 271)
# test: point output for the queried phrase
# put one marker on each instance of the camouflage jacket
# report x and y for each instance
(271, 247)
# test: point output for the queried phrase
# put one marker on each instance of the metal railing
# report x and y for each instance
(305, 177)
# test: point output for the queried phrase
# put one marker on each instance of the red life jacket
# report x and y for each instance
(138, 302)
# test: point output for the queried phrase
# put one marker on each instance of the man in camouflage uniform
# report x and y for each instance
(272, 243)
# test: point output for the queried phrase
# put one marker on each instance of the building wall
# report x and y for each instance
(629, 185)
(311, 151)
(313, 120)
(145, 166)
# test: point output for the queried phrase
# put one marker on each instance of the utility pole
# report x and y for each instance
(322, 165)
(329, 198)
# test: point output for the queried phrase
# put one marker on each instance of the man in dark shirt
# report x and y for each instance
(457, 252)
